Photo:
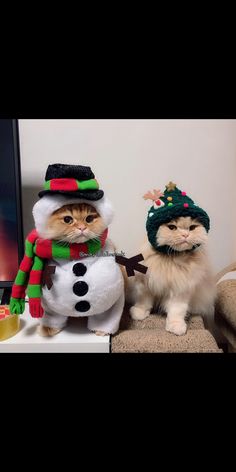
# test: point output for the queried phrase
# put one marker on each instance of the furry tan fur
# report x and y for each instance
(178, 283)
(74, 223)
(46, 331)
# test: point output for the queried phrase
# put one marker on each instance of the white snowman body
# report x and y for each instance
(92, 286)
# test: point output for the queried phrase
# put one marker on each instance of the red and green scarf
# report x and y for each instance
(30, 273)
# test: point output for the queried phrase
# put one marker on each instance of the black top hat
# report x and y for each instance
(74, 181)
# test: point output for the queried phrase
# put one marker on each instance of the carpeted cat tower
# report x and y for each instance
(150, 335)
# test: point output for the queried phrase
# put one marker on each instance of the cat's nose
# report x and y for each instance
(82, 227)
(185, 235)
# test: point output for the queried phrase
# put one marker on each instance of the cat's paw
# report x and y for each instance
(138, 313)
(46, 331)
(101, 333)
(178, 327)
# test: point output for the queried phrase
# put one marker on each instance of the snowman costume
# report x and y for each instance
(61, 280)
(92, 286)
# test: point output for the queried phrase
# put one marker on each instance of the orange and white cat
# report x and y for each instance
(74, 223)
(91, 286)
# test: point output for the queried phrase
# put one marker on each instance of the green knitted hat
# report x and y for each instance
(169, 205)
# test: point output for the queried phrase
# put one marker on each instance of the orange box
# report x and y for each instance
(4, 311)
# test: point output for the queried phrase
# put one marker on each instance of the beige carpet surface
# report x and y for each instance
(225, 302)
(156, 322)
(147, 340)
(150, 335)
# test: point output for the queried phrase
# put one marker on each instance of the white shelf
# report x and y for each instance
(74, 338)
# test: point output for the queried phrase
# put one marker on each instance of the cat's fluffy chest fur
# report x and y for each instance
(178, 284)
(177, 274)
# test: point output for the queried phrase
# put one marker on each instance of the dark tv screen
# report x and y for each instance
(11, 239)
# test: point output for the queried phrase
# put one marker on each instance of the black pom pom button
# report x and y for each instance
(79, 269)
(80, 288)
(82, 306)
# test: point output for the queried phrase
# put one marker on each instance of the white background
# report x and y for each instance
(129, 157)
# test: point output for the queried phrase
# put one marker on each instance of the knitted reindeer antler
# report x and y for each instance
(153, 196)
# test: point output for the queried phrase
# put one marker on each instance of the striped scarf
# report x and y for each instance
(30, 273)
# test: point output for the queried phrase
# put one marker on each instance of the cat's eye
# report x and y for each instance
(68, 219)
(172, 227)
(192, 227)
(90, 218)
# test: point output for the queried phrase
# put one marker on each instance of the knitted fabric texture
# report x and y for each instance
(173, 204)
(71, 180)
(29, 276)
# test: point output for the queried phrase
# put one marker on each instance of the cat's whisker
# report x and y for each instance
(68, 231)
(94, 236)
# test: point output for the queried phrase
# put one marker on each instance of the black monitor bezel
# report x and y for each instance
(18, 187)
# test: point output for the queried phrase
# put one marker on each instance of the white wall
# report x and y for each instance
(129, 157)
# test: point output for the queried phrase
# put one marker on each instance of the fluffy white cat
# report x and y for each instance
(179, 282)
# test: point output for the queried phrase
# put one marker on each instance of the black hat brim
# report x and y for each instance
(92, 195)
